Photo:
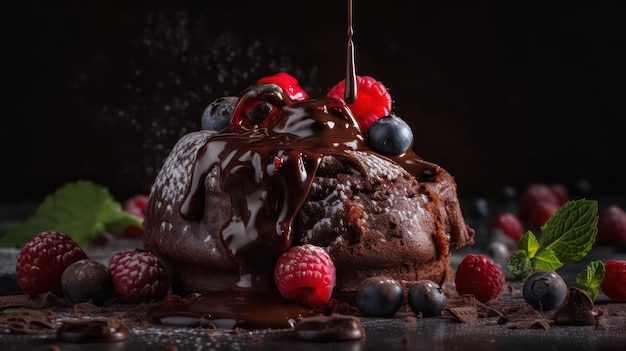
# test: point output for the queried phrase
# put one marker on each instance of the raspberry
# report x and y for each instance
(509, 224)
(561, 192)
(373, 100)
(138, 276)
(305, 274)
(534, 196)
(541, 213)
(289, 84)
(480, 276)
(136, 205)
(43, 259)
(612, 226)
(614, 283)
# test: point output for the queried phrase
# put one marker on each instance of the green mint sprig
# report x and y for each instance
(590, 278)
(81, 210)
(566, 237)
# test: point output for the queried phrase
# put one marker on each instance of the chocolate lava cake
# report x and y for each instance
(227, 203)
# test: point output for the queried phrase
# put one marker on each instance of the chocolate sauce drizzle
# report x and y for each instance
(351, 92)
(268, 169)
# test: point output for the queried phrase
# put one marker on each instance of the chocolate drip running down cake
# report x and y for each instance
(227, 203)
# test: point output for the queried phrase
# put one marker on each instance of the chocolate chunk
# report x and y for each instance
(99, 330)
(578, 309)
(335, 327)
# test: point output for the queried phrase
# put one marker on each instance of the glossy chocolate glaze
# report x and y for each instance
(268, 168)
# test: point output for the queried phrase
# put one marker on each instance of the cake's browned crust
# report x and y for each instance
(383, 222)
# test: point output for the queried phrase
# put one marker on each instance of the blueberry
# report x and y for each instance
(87, 279)
(390, 135)
(379, 297)
(217, 115)
(545, 290)
(583, 187)
(498, 251)
(507, 194)
(427, 298)
(480, 207)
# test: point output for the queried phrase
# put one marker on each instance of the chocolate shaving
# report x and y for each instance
(83, 308)
(531, 324)
(470, 300)
(464, 314)
(38, 302)
(494, 312)
(521, 312)
(27, 322)
(479, 309)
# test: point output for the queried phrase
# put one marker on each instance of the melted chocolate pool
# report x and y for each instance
(231, 309)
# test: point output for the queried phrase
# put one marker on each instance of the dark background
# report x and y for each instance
(497, 92)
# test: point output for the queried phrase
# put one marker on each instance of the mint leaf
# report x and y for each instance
(590, 278)
(519, 264)
(118, 220)
(528, 242)
(546, 259)
(571, 231)
(567, 236)
(80, 210)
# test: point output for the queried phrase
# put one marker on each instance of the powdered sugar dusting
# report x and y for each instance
(376, 167)
(173, 179)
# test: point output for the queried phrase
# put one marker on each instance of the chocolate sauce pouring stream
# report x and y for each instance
(266, 198)
(350, 94)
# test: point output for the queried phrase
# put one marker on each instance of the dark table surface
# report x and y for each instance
(399, 333)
